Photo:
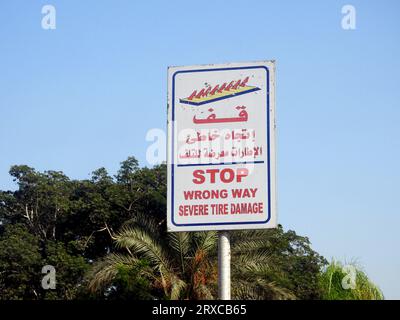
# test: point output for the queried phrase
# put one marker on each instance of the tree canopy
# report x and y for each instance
(106, 238)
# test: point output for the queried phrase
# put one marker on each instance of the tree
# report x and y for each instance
(53, 207)
(266, 264)
(178, 264)
(40, 201)
(339, 282)
(273, 264)
(22, 256)
(71, 225)
(20, 264)
(70, 269)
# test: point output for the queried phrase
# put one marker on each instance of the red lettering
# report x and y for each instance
(212, 173)
(205, 194)
(225, 175)
(193, 210)
(231, 175)
(199, 176)
(241, 173)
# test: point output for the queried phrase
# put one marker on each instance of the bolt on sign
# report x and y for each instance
(221, 147)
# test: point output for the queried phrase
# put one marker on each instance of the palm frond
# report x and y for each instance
(177, 287)
(204, 292)
(104, 272)
(238, 236)
(179, 243)
(142, 244)
(260, 289)
(204, 241)
(144, 222)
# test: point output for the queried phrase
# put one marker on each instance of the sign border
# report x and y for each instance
(268, 94)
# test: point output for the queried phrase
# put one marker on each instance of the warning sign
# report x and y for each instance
(221, 147)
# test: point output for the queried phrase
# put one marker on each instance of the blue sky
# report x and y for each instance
(84, 96)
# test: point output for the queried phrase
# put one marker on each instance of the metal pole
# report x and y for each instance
(224, 266)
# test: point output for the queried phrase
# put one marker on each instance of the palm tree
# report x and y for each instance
(337, 275)
(255, 273)
(180, 264)
(184, 265)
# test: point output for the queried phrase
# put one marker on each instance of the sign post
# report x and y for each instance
(221, 152)
(224, 266)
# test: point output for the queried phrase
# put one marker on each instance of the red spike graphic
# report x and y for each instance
(236, 85)
(222, 87)
(244, 82)
(201, 94)
(213, 91)
(192, 95)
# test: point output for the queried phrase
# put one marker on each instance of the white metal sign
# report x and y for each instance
(221, 147)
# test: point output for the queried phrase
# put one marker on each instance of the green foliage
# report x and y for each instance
(72, 224)
(70, 268)
(20, 264)
(273, 264)
(333, 276)
(130, 283)
(267, 264)
(121, 278)
(22, 256)
(40, 202)
(179, 264)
